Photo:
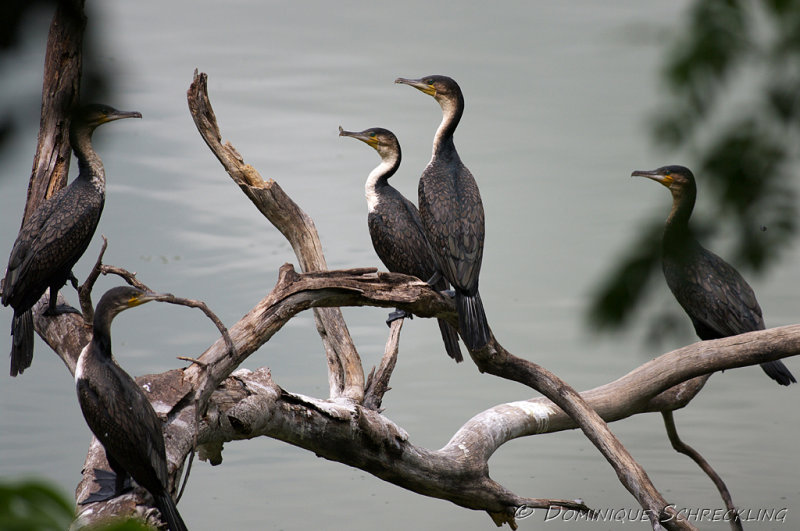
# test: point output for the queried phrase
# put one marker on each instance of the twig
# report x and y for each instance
(172, 299)
(682, 447)
(192, 360)
(85, 289)
(129, 277)
(378, 381)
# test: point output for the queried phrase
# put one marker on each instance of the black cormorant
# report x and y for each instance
(55, 236)
(395, 226)
(714, 295)
(118, 412)
(452, 212)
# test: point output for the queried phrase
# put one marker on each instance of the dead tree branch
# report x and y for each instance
(240, 404)
(60, 94)
(492, 358)
(381, 447)
(694, 455)
(345, 372)
(378, 380)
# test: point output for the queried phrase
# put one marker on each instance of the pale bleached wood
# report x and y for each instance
(376, 449)
(362, 437)
(492, 358)
(378, 380)
(345, 372)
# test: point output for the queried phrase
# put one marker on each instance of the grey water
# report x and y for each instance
(558, 97)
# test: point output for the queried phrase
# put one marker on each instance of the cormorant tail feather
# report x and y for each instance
(22, 342)
(169, 512)
(472, 320)
(778, 372)
(450, 338)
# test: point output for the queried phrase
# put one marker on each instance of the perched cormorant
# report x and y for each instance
(452, 212)
(395, 226)
(55, 236)
(714, 295)
(118, 412)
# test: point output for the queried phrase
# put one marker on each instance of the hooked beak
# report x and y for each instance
(371, 140)
(417, 84)
(665, 179)
(141, 298)
(119, 115)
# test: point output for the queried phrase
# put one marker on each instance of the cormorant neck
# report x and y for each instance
(379, 177)
(677, 233)
(101, 337)
(452, 109)
(101, 327)
(89, 163)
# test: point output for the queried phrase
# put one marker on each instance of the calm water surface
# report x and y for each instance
(557, 100)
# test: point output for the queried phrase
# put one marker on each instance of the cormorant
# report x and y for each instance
(714, 295)
(55, 236)
(452, 212)
(118, 412)
(395, 226)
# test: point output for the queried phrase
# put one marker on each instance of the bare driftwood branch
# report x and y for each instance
(492, 358)
(60, 94)
(85, 289)
(635, 392)
(378, 380)
(345, 372)
(240, 404)
(694, 455)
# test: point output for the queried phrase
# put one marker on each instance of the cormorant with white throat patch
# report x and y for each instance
(395, 225)
(118, 412)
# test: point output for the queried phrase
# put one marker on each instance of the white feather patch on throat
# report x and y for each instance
(372, 180)
(99, 181)
(79, 367)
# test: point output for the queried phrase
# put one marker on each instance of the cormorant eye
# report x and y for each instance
(373, 134)
(429, 82)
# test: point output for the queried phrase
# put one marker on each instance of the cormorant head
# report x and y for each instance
(678, 179)
(94, 114)
(381, 140)
(442, 88)
(118, 299)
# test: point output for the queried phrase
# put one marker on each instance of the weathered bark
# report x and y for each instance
(705, 466)
(378, 380)
(239, 404)
(492, 358)
(345, 372)
(60, 94)
(247, 406)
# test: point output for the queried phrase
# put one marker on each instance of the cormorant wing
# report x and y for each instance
(26, 244)
(398, 238)
(122, 419)
(718, 299)
(53, 239)
(454, 220)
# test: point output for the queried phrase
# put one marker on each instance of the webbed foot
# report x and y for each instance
(398, 314)
(107, 481)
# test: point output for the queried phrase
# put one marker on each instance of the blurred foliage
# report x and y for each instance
(34, 505)
(733, 76)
